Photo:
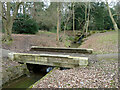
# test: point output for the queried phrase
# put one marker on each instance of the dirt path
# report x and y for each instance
(110, 55)
(5, 52)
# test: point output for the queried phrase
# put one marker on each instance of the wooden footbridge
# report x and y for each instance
(61, 57)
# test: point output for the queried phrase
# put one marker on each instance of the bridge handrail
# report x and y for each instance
(62, 49)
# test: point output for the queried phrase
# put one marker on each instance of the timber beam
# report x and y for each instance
(49, 59)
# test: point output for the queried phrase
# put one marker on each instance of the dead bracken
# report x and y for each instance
(101, 74)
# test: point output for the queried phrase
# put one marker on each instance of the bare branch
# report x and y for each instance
(16, 9)
(115, 15)
(3, 16)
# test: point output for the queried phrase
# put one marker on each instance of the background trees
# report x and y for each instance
(46, 17)
(83, 16)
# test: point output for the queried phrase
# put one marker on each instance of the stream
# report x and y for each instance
(24, 81)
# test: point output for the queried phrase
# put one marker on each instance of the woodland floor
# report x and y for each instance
(101, 73)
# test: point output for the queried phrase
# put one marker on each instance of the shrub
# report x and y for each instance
(24, 24)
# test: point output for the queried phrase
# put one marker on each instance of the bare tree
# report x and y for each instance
(87, 18)
(66, 24)
(46, 17)
(58, 22)
(67, 16)
(8, 19)
(111, 16)
(34, 10)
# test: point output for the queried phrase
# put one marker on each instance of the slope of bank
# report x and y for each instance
(23, 42)
(102, 42)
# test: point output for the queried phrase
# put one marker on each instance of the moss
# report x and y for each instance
(67, 43)
(8, 43)
(12, 72)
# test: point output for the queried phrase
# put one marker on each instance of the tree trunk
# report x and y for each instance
(85, 18)
(111, 16)
(66, 24)
(85, 11)
(8, 30)
(24, 8)
(88, 20)
(5, 33)
(7, 25)
(58, 23)
(64, 28)
(34, 11)
(73, 20)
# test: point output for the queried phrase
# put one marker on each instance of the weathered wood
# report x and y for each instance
(64, 50)
(49, 59)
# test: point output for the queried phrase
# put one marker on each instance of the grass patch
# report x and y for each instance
(102, 43)
(101, 52)
(53, 31)
(107, 59)
(44, 32)
(8, 43)
(113, 38)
